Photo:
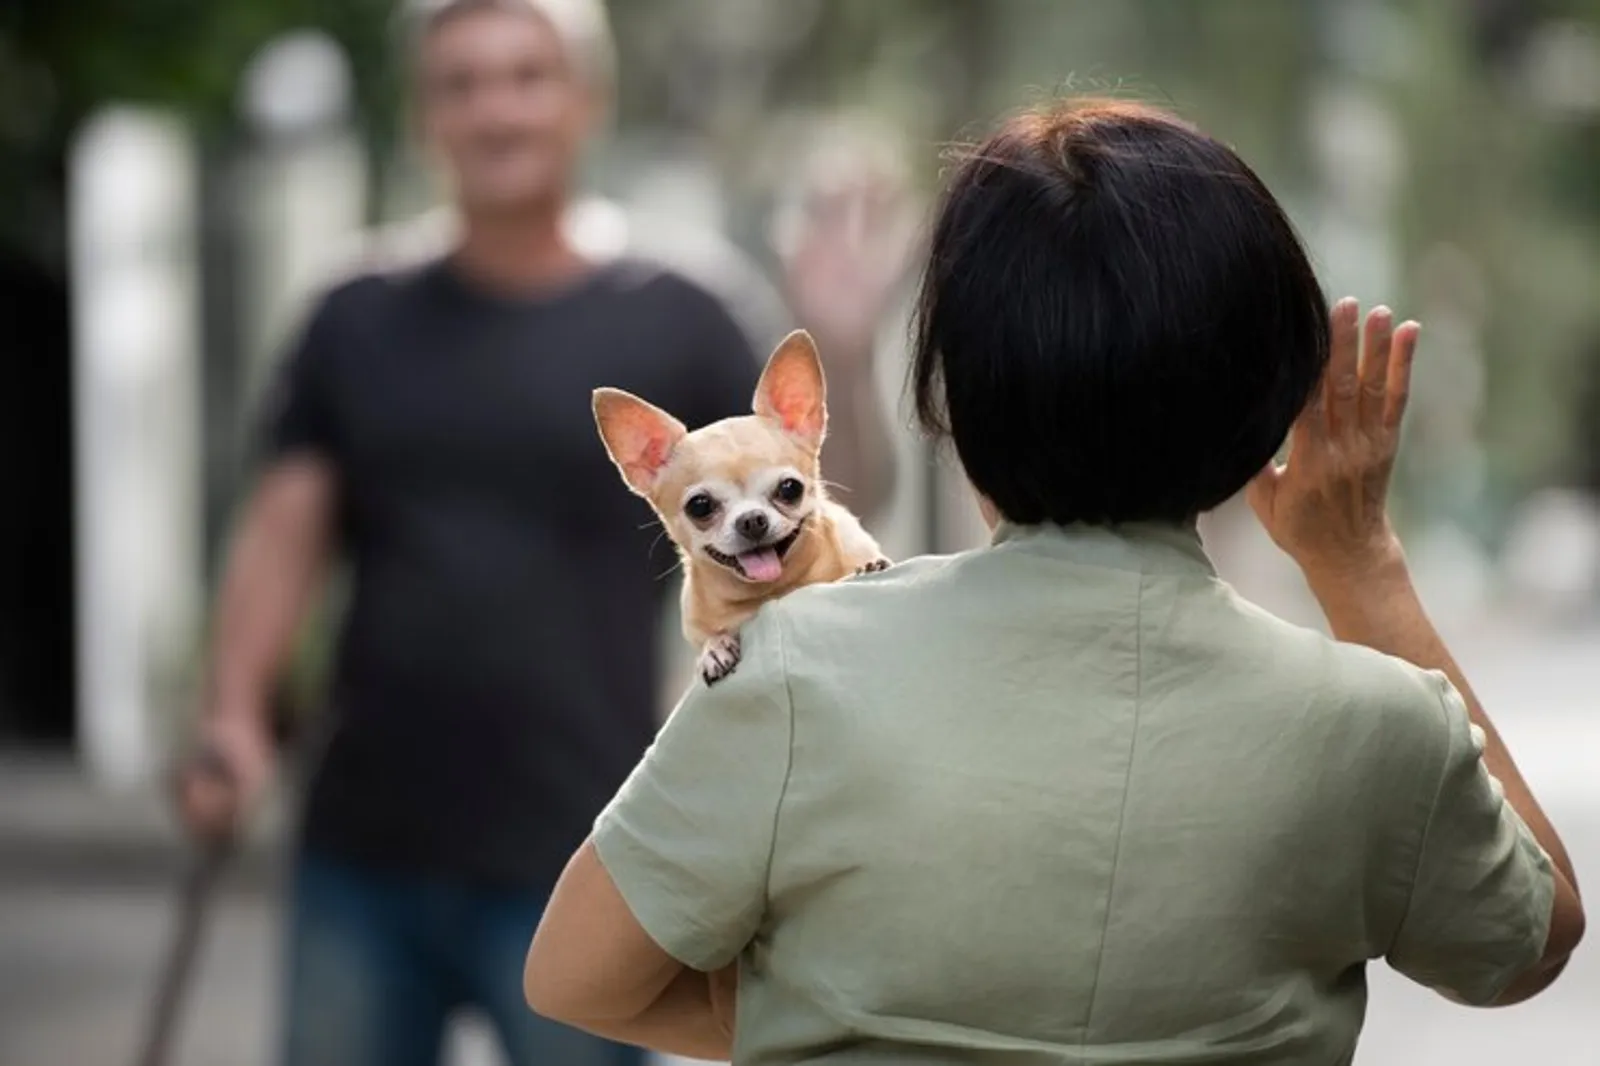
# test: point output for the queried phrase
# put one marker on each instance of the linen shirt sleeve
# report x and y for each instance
(688, 839)
(1480, 903)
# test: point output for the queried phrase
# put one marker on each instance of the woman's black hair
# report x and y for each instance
(1117, 322)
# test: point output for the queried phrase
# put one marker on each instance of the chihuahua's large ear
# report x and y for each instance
(792, 391)
(639, 436)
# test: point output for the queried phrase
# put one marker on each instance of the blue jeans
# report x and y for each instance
(377, 963)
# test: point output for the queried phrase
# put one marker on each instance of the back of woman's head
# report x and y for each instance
(1117, 323)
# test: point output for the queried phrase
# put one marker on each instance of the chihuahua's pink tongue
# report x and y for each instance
(762, 564)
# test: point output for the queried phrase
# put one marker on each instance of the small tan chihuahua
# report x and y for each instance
(742, 498)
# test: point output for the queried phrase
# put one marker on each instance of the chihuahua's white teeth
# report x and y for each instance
(762, 564)
(720, 656)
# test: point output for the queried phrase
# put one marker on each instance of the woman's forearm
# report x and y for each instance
(1381, 610)
(684, 1020)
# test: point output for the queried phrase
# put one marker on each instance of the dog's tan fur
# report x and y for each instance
(663, 462)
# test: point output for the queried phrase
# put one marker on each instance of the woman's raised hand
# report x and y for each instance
(1327, 506)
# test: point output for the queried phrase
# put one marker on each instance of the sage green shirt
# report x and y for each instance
(1068, 799)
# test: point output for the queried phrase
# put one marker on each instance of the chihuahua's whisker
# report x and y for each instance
(661, 531)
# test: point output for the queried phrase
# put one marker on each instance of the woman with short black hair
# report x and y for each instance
(1117, 322)
(1067, 798)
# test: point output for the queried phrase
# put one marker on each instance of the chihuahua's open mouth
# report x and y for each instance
(759, 564)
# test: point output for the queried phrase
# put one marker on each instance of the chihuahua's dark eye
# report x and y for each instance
(790, 490)
(700, 507)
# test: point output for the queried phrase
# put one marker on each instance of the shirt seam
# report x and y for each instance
(1122, 809)
(788, 769)
(1427, 827)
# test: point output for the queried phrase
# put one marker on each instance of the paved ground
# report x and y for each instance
(80, 932)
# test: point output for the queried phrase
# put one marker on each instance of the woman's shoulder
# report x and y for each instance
(858, 600)
(1374, 694)
(862, 616)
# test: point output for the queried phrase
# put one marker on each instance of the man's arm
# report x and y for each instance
(278, 556)
(858, 454)
(843, 273)
(276, 561)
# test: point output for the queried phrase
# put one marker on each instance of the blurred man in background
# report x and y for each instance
(496, 674)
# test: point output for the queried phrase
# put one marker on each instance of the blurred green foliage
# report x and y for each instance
(59, 61)
(1489, 170)
(184, 52)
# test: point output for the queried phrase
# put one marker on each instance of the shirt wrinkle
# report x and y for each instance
(956, 855)
(1422, 841)
(788, 769)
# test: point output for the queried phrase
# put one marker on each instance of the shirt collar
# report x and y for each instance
(1143, 547)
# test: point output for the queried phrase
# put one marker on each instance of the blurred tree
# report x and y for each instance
(1499, 174)
(59, 61)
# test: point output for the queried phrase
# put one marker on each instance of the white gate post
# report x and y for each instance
(136, 429)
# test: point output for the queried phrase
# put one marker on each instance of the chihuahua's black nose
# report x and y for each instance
(753, 526)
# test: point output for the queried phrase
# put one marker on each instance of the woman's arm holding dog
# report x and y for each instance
(592, 966)
(647, 924)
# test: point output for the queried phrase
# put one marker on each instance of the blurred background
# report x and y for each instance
(177, 177)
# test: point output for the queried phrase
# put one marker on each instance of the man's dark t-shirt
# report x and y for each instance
(496, 675)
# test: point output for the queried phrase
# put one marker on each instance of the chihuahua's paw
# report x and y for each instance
(875, 566)
(720, 656)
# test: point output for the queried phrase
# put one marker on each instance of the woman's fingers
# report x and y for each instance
(1397, 388)
(1375, 346)
(1341, 386)
(1362, 392)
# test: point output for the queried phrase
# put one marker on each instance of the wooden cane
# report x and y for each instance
(196, 893)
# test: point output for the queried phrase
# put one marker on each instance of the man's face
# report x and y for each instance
(503, 108)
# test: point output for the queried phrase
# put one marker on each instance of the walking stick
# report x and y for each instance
(196, 892)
